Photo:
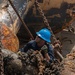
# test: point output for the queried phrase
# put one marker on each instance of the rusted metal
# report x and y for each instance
(8, 15)
(31, 36)
(10, 23)
(9, 39)
(46, 24)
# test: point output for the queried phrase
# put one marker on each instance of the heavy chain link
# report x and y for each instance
(47, 25)
(44, 18)
(1, 56)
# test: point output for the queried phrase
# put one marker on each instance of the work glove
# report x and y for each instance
(44, 49)
(57, 46)
(19, 53)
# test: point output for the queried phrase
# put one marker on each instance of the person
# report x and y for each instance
(41, 42)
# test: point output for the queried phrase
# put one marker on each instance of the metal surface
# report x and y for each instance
(8, 15)
(10, 22)
(28, 31)
(9, 39)
(57, 19)
(58, 14)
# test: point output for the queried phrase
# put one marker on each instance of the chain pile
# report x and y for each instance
(32, 64)
(36, 62)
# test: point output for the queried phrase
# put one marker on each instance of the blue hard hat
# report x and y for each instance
(44, 34)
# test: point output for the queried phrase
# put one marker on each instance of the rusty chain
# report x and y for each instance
(47, 24)
(1, 56)
(44, 18)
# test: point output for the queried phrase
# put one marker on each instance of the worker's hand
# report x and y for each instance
(19, 53)
(57, 44)
(57, 47)
(46, 62)
(44, 47)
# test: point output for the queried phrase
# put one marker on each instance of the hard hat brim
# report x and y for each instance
(42, 37)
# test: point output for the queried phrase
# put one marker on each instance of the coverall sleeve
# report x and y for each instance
(25, 48)
(51, 53)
